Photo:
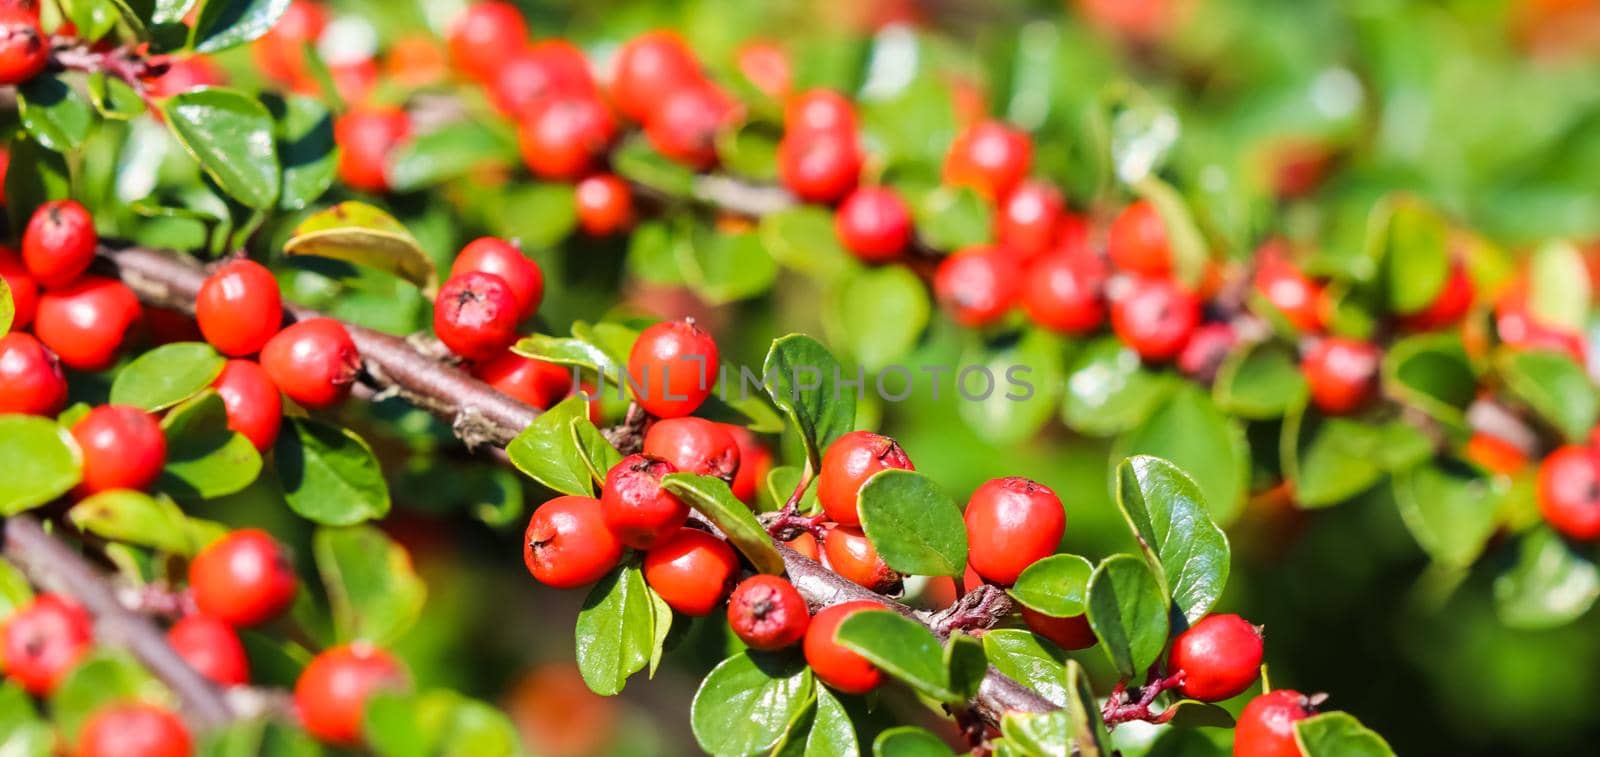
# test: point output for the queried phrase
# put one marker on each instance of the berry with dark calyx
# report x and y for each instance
(1206, 350)
(1011, 524)
(475, 315)
(1068, 633)
(636, 508)
(366, 137)
(1449, 306)
(254, 406)
(59, 243)
(692, 571)
(605, 205)
(1137, 241)
(684, 126)
(1341, 374)
(332, 692)
(485, 36)
(24, 50)
(1063, 290)
(818, 110)
(504, 259)
(990, 157)
(313, 362)
(565, 137)
(1029, 220)
(694, 445)
(1266, 725)
(767, 613)
(31, 382)
(133, 729)
(1155, 317)
(1569, 491)
(212, 648)
(648, 69)
(243, 579)
(1219, 656)
(1288, 289)
(547, 70)
(673, 366)
(978, 285)
(535, 382)
(755, 461)
(24, 290)
(123, 448)
(239, 308)
(820, 166)
(847, 464)
(567, 544)
(874, 224)
(43, 640)
(833, 664)
(86, 322)
(850, 554)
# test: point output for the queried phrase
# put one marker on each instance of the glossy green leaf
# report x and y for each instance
(166, 376)
(901, 647)
(950, 218)
(1057, 586)
(92, 18)
(909, 741)
(1027, 375)
(1108, 389)
(1041, 733)
(304, 135)
(966, 662)
(804, 384)
(364, 235)
(747, 702)
(548, 452)
(230, 134)
(1338, 734)
(1261, 381)
(1026, 658)
(1431, 373)
(832, 734)
(1555, 387)
(1169, 517)
(222, 24)
(1128, 612)
(135, 518)
(375, 594)
(711, 497)
(877, 315)
(916, 527)
(54, 113)
(452, 151)
(803, 239)
(40, 460)
(113, 98)
(205, 458)
(100, 679)
(1558, 287)
(1089, 731)
(1450, 507)
(569, 351)
(1189, 431)
(1545, 582)
(663, 629)
(616, 630)
(329, 475)
(724, 268)
(599, 456)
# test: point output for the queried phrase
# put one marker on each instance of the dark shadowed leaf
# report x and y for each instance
(54, 113)
(909, 741)
(222, 24)
(1543, 582)
(1450, 507)
(205, 458)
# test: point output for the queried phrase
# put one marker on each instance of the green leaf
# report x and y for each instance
(746, 703)
(1057, 586)
(1043, 733)
(915, 526)
(1190, 432)
(304, 135)
(14, 589)
(22, 732)
(637, 161)
(436, 722)
(8, 308)
(1417, 261)
(1558, 287)
(1027, 375)
(1088, 728)
(166, 376)
(1431, 373)
(568, 351)
(832, 734)
(1330, 460)
(1128, 612)
(615, 633)
(40, 460)
(1024, 657)
(1555, 387)
(375, 594)
(91, 18)
(113, 98)
(877, 315)
(329, 474)
(262, 738)
(101, 679)
(1450, 507)
(909, 741)
(1545, 583)
(966, 663)
(364, 235)
(804, 385)
(750, 150)
(1188, 246)
(902, 648)
(663, 629)
(539, 215)
(1190, 713)
(548, 452)
(54, 113)
(205, 458)
(1169, 517)
(1259, 381)
(222, 24)
(230, 134)
(1338, 734)
(599, 456)
(1108, 389)
(36, 175)
(449, 152)
(950, 218)
(802, 239)
(711, 497)
(724, 268)
(136, 518)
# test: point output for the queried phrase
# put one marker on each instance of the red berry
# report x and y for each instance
(851, 554)
(1266, 725)
(1449, 306)
(805, 544)
(332, 692)
(86, 322)
(1516, 326)
(43, 640)
(874, 224)
(535, 382)
(565, 137)
(133, 730)
(648, 69)
(1569, 491)
(314, 362)
(636, 508)
(819, 166)
(59, 243)
(684, 126)
(1062, 291)
(504, 259)
(543, 71)
(605, 205)
(694, 445)
(211, 647)
(252, 401)
(818, 110)
(239, 308)
(1137, 241)
(765, 65)
(1030, 218)
(1288, 289)
(832, 663)
(567, 544)
(767, 613)
(1011, 524)
(1220, 657)
(366, 137)
(24, 290)
(978, 285)
(184, 74)
(1206, 350)
(1342, 374)
(280, 53)
(24, 51)
(485, 36)
(123, 448)
(755, 461)
(989, 157)
(847, 464)
(691, 571)
(673, 366)
(475, 315)
(30, 377)
(1155, 317)
(1067, 633)
(243, 579)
